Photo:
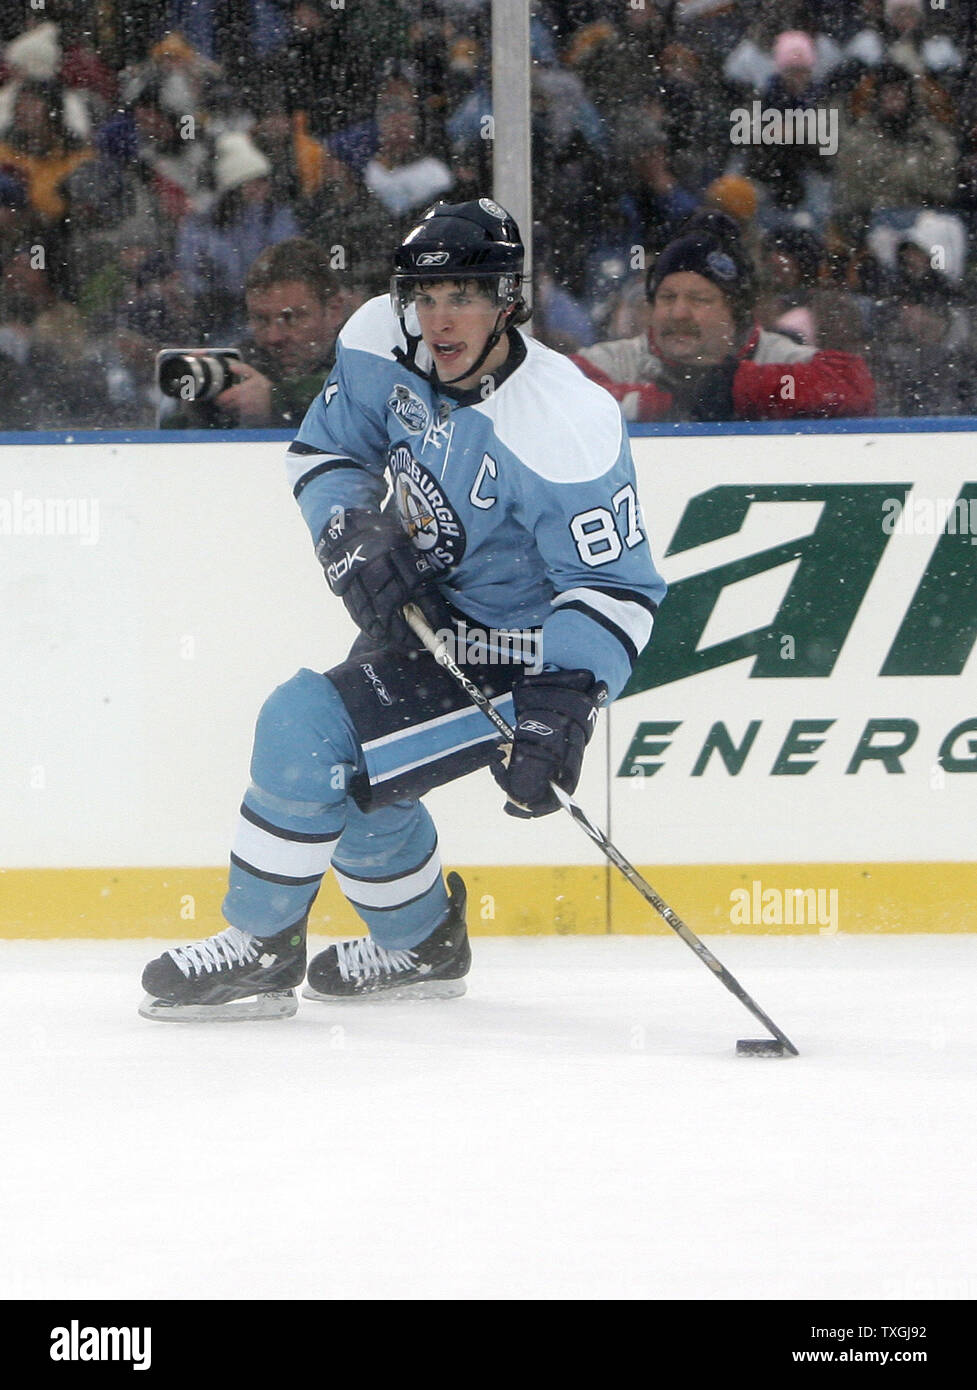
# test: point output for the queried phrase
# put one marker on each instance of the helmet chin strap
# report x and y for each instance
(409, 358)
(490, 343)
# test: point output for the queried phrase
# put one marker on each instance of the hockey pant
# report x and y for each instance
(340, 762)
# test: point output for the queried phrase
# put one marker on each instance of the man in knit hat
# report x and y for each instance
(705, 357)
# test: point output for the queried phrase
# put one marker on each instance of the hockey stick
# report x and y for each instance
(422, 629)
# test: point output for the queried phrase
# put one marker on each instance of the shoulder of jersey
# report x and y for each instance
(373, 328)
(559, 423)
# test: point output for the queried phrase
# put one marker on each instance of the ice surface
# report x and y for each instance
(578, 1126)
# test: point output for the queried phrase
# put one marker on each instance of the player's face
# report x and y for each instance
(456, 320)
(691, 320)
(295, 327)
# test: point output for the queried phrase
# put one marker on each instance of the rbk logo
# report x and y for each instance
(533, 726)
(340, 568)
(382, 693)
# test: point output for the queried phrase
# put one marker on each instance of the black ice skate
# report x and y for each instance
(433, 970)
(232, 975)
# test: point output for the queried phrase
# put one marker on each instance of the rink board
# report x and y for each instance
(523, 900)
(795, 751)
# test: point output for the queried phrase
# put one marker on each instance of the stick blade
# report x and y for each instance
(763, 1047)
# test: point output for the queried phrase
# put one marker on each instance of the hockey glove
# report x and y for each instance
(370, 563)
(556, 713)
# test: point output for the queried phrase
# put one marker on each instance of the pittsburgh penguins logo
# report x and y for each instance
(417, 516)
(425, 511)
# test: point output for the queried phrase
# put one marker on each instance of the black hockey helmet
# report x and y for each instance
(477, 240)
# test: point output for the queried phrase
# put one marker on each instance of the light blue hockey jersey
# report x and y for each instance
(522, 496)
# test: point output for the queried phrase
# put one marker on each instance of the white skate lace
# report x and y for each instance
(364, 957)
(228, 948)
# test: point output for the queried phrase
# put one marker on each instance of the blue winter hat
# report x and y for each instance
(709, 245)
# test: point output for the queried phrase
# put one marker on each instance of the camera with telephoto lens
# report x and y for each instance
(195, 374)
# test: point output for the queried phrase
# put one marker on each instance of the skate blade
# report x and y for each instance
(279, 1003)
(424, 989)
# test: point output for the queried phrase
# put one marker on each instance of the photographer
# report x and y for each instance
(296, 305)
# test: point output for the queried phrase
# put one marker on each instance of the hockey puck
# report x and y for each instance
(762, 1047)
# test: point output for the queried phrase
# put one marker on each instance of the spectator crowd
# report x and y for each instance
(727, 194)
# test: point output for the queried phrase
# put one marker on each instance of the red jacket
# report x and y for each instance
(776, 379)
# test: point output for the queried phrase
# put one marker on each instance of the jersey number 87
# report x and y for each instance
(596, 531)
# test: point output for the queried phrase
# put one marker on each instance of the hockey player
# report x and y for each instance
(454, 463)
